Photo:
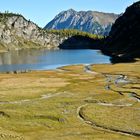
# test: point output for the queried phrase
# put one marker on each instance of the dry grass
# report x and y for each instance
(119, 118)
(55, 117)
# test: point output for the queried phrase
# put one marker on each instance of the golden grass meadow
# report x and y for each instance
(71, 103)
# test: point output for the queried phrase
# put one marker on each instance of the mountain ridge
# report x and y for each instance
(89, 21)
(123, 41)
(16, 32)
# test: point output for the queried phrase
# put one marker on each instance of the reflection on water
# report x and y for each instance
(44, 59)
(19, 57)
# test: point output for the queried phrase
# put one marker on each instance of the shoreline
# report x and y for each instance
(86, 68)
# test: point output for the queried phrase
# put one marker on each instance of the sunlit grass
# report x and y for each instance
(24, 114)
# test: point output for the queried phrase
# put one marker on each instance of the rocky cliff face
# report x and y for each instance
(124, 38)
(16, 33)
(93, 22)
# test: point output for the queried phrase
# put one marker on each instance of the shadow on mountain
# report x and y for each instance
(119, 59)
(123, 41)
(80, 42)
(115, 60)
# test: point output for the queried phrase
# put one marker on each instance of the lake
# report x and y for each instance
(45, 60)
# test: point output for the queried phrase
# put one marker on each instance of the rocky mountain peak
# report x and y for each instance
(71, 10)
(89, 21)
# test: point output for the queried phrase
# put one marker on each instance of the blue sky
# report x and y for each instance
(42, 11)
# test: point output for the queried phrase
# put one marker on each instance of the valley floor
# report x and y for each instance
(100, 102)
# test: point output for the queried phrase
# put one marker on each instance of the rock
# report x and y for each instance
(62, 120)
(17, 33)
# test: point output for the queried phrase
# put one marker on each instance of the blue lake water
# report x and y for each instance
(45, 60)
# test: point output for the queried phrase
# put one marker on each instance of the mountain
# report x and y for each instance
(16, 33)
(124, 38)
(88, 21)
